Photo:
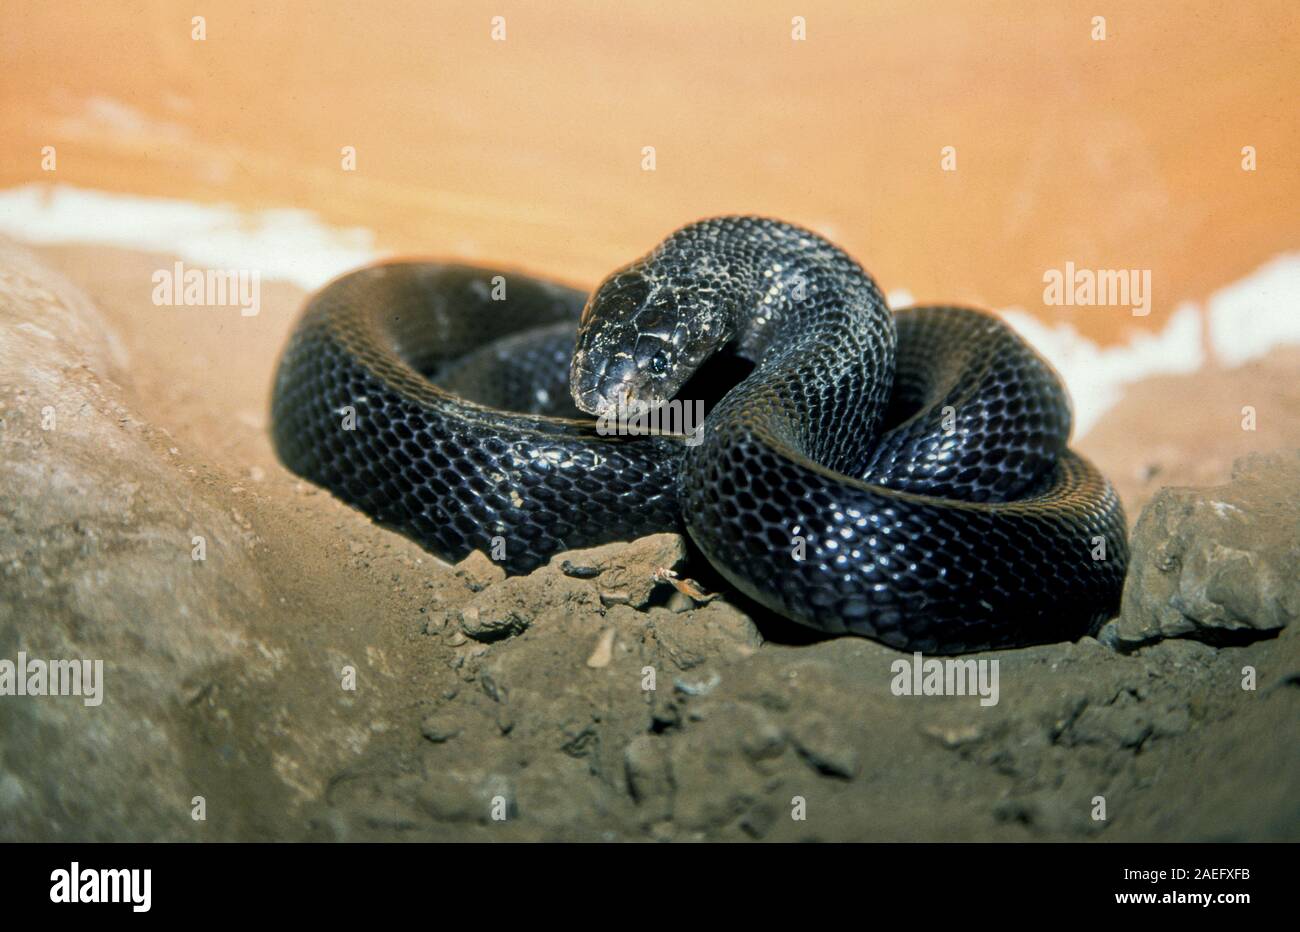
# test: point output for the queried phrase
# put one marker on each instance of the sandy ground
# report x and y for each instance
(228, 684)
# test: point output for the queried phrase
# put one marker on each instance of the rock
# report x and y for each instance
(624, 574)
(509, 607)
(587, 571)
(604, 650)
(698, 686)
(225, 646)
(439, 728)
(478, 572)
(95, 562)
(1217, 564)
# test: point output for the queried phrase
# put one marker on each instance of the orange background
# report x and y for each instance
(1117, 154)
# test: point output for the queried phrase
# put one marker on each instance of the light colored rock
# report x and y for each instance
(603, 652)
(1217, 564)
(95, 562)
(116, 547)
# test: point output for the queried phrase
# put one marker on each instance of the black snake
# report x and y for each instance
(903, 476)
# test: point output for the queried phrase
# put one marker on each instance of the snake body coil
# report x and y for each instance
(901, 476)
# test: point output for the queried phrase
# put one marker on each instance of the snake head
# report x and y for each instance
(640, 338)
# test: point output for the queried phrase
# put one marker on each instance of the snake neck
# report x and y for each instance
(774, 280)
(811, 320)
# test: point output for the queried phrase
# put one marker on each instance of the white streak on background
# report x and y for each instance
(1096, 375)
(1250, 317)
(285, 243)
(1246, 318)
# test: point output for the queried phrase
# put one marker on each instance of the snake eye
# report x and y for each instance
(659, 363)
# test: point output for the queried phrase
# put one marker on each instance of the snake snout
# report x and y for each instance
(598, 386)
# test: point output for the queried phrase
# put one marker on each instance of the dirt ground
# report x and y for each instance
(227, 678)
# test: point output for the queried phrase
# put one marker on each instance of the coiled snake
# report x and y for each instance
(900, 476)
